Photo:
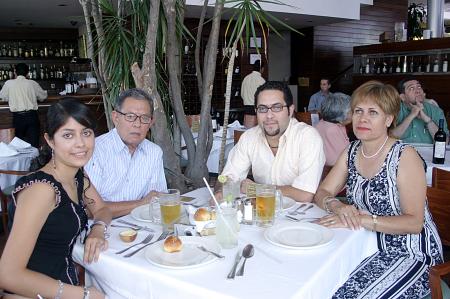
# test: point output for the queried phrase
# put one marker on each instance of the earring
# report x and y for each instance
(53, 159)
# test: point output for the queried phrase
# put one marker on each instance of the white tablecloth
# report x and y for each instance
(426, 151)
(17, 162)
(273, 272)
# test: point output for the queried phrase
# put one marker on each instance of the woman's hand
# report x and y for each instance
(348, 215)
(95, 243)
(95, 294)
(332, 221)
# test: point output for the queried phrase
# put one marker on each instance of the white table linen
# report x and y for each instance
(273, 272)
(17, 162)
(426, 151)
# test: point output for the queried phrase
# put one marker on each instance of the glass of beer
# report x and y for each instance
(170, 206)
(265, 205)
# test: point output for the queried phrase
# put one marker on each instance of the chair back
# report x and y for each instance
(304, 117)
(237, 135)
(6, 135)
(4, 196)
(440, 179)
(439, 204)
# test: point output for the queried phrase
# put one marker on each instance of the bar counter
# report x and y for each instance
(93, 101)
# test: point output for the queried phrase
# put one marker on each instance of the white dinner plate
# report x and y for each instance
(299, 235)
(141, 213)
(189, 256)
(288, 202)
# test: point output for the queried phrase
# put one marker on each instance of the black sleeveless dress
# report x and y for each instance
(52, 254)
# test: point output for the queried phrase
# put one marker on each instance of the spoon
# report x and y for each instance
(247, 252)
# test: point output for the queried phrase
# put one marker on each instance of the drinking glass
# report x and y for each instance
(231, 190)
(227, 227)
(265, 205)
(155, 210)
(278, 202)
(170, 206)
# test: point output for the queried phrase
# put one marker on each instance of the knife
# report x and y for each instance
(237, 259)
(135, 225)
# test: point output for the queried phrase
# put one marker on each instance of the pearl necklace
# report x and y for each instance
(378, 151)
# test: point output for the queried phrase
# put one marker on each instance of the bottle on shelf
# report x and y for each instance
(428, 65)
(445, 64)
(367, 69)
(213, 120)
(68, 85)
(440, 140)
(397, 68)
(34, 72)
(436, 65)
(405, 64)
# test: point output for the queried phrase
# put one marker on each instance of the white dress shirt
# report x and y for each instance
(249, 85)
(119, 176)
(299, 160)
(22, 94)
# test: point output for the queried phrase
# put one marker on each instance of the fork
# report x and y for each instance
(136, 228)
(145, 241)
(294, 212)
(161, 237)
(202, 248)
(135, 225)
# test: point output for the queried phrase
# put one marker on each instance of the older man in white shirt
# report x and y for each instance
(280, 151)
(126, 168)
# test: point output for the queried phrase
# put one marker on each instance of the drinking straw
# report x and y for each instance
(212, 194)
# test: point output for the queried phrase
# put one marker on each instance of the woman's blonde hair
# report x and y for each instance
(384, 95)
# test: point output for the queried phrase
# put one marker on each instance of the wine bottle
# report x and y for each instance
(440, 139)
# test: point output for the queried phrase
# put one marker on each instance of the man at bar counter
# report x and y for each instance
(316, 100)
(126, 168)
(22, 95)
(418, 120)
(248, 87)
(280, 151)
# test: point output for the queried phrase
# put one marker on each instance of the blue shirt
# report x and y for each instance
(119, 176)
(315, 103)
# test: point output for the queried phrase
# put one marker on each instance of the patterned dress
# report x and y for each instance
(400, 268)
(52, 254)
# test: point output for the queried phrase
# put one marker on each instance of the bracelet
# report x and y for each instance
(375, 221)
(86, 292)
(327, 200)
(105, 227)
(60, 289)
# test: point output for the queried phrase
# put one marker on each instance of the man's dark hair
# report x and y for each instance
(275, 85)
(257, 65)
(22, 69)
(327, 79)
(401, 84)
(135, 93)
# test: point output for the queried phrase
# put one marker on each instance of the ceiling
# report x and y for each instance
(69, 14)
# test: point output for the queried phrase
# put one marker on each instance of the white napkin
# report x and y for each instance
(6, 150)
(19, 143)
(235, 124)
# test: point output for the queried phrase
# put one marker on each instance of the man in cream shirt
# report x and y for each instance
(22, 95)
(280, 151)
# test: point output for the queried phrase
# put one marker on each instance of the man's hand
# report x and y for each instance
(148, 198)
(416, 109)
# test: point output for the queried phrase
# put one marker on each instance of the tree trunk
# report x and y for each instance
(198, 45)
(198, 169)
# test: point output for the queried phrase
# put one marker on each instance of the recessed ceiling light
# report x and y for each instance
(309, 21)
(62, 5)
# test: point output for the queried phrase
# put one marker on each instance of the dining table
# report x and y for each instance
(273, 272)
(426, 151)
(20, 161)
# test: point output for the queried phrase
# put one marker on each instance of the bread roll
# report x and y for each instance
(202, 214)
(172, 244)
(128, 235)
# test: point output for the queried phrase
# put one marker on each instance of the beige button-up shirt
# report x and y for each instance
(299, 160)
(22, 94)
(249, 85)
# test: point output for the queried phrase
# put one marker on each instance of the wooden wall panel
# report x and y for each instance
(332, 45)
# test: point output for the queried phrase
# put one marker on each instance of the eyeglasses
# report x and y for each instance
(274, 108)
(131, 117)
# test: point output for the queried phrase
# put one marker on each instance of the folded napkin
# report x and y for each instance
(235, 124)
(230, 129)
(19, 143)
(6, 150)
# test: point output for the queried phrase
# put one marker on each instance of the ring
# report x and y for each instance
(345, 215)
(332, 222)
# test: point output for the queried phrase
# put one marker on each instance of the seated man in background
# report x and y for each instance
(418, 120)
(126, 168)
(335, 116)
(316, 100)
(280, 151)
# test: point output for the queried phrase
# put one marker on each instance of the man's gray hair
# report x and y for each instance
(335, 108)
(135, 93)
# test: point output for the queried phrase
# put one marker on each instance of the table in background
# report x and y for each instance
(273, 272)
(17, 162)
(426, 151)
